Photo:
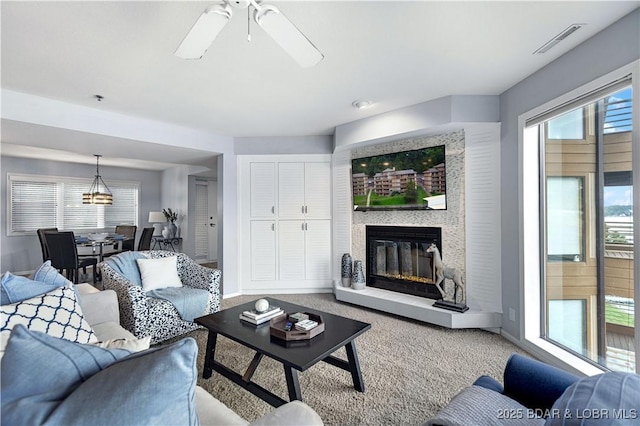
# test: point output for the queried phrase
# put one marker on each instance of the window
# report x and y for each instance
(565, 217)
(582, 188)
(569, 319)
(50, 201)
(567, 126)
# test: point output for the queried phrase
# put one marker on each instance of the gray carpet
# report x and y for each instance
(410, 369)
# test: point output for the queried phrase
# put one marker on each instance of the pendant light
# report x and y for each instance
(95, 195)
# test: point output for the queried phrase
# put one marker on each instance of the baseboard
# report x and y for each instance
(288, 291)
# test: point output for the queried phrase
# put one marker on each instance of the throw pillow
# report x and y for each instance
(133, 345)
(84, 384)
(477, 405)
(39, 370)
(50, 275)
(609, 398)
(15, 288)
(159, 273)
(57, 313)
(154, 387)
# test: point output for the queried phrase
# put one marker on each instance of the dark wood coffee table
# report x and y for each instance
(294, 355)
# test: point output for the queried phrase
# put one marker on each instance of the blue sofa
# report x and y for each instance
(535, 393)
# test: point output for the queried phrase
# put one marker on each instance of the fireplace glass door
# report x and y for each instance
(398, 260)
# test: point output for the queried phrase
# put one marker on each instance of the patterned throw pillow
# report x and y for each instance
(56, 313)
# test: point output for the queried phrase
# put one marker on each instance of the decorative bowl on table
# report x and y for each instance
(98, 236)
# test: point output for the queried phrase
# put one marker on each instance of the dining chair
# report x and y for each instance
(145, 239)
(43, 242)
(64, 255)
(129, 234)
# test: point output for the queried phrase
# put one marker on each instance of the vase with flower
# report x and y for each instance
(171, 217)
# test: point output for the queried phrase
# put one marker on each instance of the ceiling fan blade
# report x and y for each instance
(274, 23)
(204, 31)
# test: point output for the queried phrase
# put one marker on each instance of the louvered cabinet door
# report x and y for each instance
(291, 190)
(263, 189)
(263, 250)
(317, 249)
(291, 256)
(317, 190)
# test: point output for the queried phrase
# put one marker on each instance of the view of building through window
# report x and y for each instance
(587, 211)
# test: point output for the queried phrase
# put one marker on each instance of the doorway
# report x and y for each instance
(206, 237)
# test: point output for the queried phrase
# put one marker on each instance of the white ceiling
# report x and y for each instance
(391, 52)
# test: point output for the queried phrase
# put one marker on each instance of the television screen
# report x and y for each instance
(408, 180)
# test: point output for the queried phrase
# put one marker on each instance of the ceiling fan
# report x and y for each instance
(273, 22)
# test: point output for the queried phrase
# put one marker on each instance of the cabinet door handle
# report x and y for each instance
(273, 209)
(302, 226)
(302, 209)
(273, 226)
(306, 209)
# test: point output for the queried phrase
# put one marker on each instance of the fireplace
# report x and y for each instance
(397, 259)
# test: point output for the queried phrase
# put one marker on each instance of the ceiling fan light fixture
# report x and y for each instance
(204, 31)
(287, 35)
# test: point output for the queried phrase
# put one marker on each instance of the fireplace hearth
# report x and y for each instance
(397, 259)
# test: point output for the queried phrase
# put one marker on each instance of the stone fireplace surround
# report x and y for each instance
(451, 222)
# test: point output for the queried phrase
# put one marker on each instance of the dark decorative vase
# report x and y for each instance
(347, 270)
(173, 229)
(358, 281)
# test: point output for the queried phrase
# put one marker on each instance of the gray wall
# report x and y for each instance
(283, 145)
(612, 48)
(22, 253)
(437, 116)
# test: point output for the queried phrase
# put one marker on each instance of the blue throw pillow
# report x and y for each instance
(50, 275)
(15, 288)
(39, 370)
(61, 382)
(609, 398)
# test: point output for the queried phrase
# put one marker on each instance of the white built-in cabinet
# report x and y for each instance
(285, 212)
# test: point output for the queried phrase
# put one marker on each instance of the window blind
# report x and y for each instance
(202, 215)
(32, 203)
(52, 201)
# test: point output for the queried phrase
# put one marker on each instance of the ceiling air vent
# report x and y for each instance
(557, 39)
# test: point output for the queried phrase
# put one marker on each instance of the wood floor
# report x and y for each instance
(621, 352)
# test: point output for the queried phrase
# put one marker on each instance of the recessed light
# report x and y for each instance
(361, 104)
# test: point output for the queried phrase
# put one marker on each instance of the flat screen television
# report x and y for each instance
(407, 180)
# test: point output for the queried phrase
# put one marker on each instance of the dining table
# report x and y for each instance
(99, 248)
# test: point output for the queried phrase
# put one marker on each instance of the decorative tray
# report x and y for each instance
(277, 324)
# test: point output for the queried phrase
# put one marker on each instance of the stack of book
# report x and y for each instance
(257, 318)
(305, 325)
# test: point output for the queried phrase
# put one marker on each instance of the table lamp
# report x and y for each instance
(157, 219)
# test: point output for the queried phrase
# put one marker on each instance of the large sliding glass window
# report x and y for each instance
(586, 218)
